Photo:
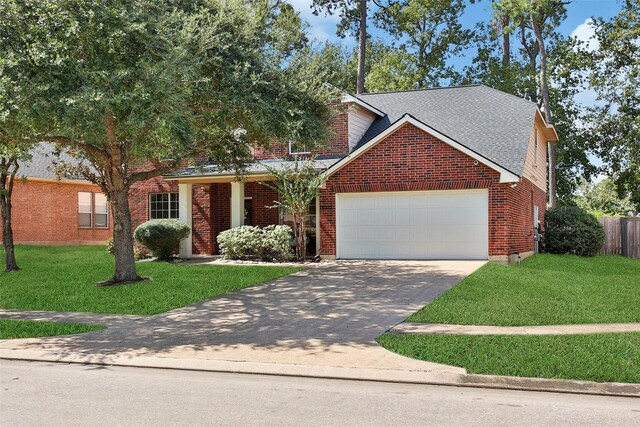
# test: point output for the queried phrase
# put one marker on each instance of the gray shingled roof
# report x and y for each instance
(41, 164)
(492, 123)
(257, 168)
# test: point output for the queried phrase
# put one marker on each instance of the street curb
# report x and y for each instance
(441, 378)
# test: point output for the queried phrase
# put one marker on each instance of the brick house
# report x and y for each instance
(48, 211)
(447, 173)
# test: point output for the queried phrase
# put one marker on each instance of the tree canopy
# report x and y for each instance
(134, 86)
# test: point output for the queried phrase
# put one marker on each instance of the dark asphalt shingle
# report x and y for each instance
(42, 162)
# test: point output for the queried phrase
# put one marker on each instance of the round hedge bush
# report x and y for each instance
(571, 230)
(162, 236)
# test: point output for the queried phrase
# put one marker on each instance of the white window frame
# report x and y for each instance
(90, 210)
(171, 195)
(304, 151)
(95, 212)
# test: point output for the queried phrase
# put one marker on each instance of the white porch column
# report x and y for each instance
(185, 215)
(237, 204)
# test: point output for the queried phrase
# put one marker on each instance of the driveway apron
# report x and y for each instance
(327, 315)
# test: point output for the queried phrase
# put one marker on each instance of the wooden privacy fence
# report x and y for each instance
(621, 236)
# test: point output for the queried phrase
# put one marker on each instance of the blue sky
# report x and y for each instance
(579, 12)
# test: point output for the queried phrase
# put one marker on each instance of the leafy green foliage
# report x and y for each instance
(544, 289)
(571, 230)
(593, 357)
(615, 76)
(126, 83)
(272, 243)
(162, 236)
(63, 278)
(427, 33)
(297, 183)
(602, 199)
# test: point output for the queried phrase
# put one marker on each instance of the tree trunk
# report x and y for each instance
(362, 46)
(300, 237)
(532, 53)
(7, 178)
(506, 42)
(122, 237)
(544, 91)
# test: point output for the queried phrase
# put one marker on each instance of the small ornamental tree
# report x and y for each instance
(297, 183)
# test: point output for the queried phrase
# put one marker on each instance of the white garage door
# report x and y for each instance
(413, 225)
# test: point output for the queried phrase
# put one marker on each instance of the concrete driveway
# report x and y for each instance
(327, 315)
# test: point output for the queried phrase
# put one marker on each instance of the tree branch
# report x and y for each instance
(145, 175)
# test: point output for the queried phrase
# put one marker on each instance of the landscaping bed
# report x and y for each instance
(543, 290)
(595, 357)
(63, 278)
(10, 328)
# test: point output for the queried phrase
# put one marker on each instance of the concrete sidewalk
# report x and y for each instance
(438, 328)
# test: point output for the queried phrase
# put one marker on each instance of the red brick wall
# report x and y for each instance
(337, 145)
(201, 220)
(412, 160)
(47, 213)
(139, 197)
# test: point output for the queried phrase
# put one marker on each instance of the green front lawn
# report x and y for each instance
(64, 279)
(10, 328)
(543, 290)
(597, 357)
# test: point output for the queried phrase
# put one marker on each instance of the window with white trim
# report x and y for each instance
(101, 210)
(298, 148)
(85, 211)
(164, 206)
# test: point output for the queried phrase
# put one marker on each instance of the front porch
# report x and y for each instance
(212, 202)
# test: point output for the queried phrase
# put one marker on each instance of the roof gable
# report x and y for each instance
(493, 124)
(505, 175)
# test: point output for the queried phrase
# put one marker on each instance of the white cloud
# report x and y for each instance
(321, 27)
(586, 32)
(306, 12)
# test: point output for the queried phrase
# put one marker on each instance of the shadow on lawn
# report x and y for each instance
(329, 308)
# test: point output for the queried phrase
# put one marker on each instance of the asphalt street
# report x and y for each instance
(38, 394)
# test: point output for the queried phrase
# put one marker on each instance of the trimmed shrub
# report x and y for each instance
(241, 242)
(278, 242)
(571, 230)
(273, 243)
(162, 236)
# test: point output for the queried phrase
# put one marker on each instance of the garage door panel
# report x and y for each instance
(413, 225)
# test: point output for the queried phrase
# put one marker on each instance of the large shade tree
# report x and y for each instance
(426, 34)
(615, 76)
(136, 86)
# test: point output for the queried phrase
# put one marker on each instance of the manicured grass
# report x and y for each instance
(64, 279)
(598, 357)
(543, 290)
(10, 328)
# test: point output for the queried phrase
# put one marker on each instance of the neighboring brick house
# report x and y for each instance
(447, 173)
(48, 211)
